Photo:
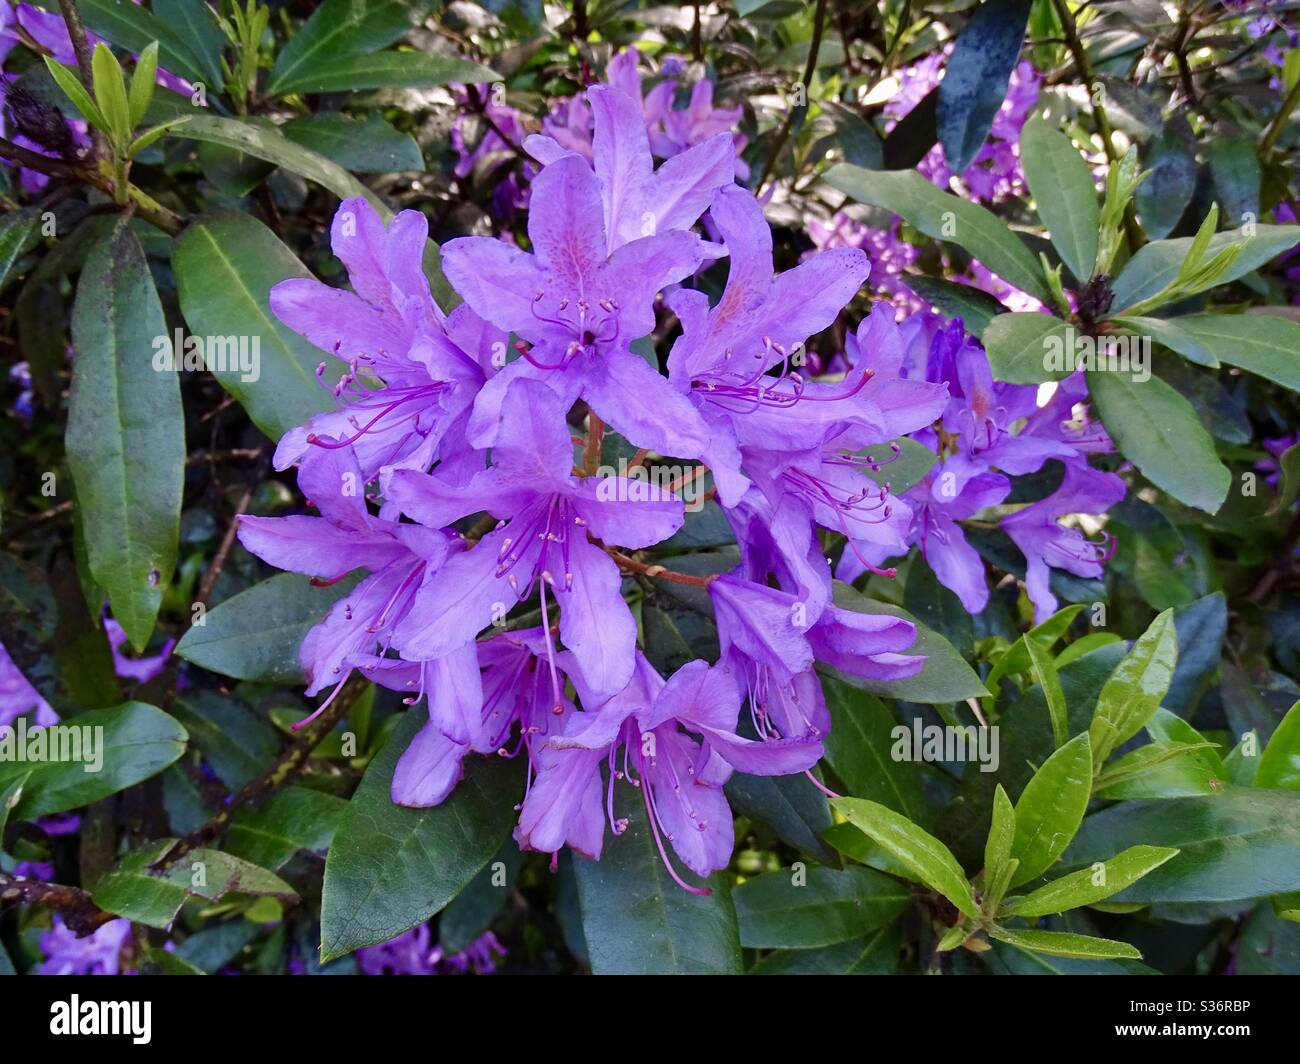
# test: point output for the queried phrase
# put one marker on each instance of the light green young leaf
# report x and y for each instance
(110, 92)
(142, 83)
(1051, 807)
(71, 85)
(1133, 693)
(1280, 765)
(1050, 681)
(1065, 944)
(1091, 884)
(929, 860)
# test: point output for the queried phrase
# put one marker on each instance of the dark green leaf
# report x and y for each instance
(390, 868)
(942, 216)
(371, 146)
(384, 70)
(1050, 809)
(292, 819)
(1159, 431)
(975, 79)
(136, 742)
(1064, 192)
(126, 433)
(811, 907)
(256, 634)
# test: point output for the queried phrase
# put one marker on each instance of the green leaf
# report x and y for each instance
(255, 635)
(1065, 944)
(812, 907)
(292, 819)
(1156, 264)
(371, 146)
(390, 867)
(1051, 807)
(1289, 489)
(1030, 348)
(637, 921)
(262, 142)
(1001, 837)
(1091, 884)
(475, 908)
(945, 677)
(142, 82)
(1159, 431)
(1064, 193)
(956, 300)
(19, 233)
(1280, 764)
(11, 792)
(134, 890)
(126, 433)
(110, 92)
(1236, 173)
(1173, 336)
(1133, 693)
(1160, 769)
(930, 861)
(789, 806)
(236, 742)
(225, 268)
(975, 79)
(70, 83)
(1263, 344)
(134, 27)
(193, 26)
(137, 741)
(339, 29)
(857, 749)
(1162, 198)
(1268, 945)
(1050, 681)
(877, 954)
(942, 216)
(1240, 843)
(384, 70)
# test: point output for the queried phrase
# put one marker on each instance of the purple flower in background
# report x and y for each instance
(411, 953)
(99, 953)
(141, 670)
(18, 696)
(1272, 466)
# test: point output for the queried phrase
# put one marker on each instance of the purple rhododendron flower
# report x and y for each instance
(412, 953)
(99, 953)
(446, 435)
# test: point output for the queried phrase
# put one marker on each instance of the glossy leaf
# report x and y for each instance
(1066, 944)
(813, 907)
(1280, 764)
(928, 859)
(390, 867)
(942, 216)
(1064, 193)
(1051, 807)
(1091, 884)
(1133, 692)
(126, 433)
(1160, 432)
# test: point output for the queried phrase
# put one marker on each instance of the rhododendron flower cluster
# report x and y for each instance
(460, 472)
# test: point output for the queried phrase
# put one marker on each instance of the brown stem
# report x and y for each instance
(1136, 238)
(81, 48)
(80, 913)
(223, 550)
(288, 765)
(809, 68)
(591, 446)
(658, 572)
